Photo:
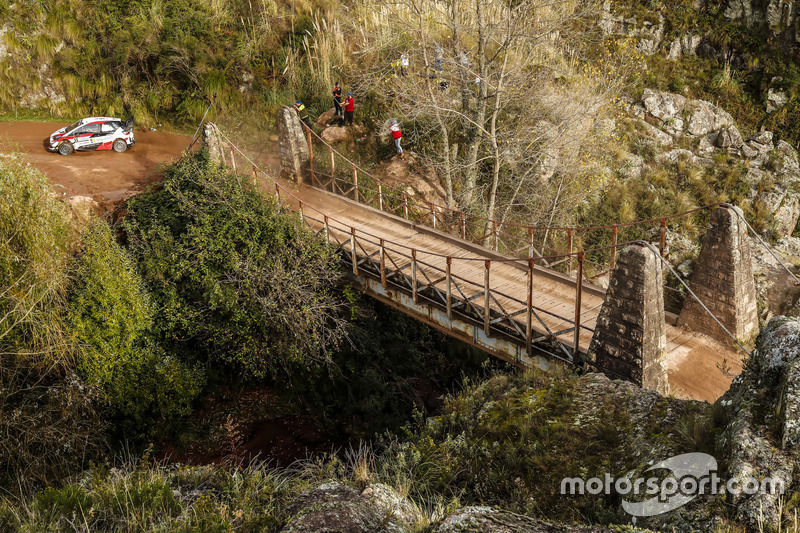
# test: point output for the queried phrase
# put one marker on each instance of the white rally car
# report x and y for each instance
(94, 133)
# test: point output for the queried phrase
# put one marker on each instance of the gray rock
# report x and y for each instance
(705, 117)
(748, 151)
(705, 146)
(661, 105)
(753, 399)
(660, 137)
(488, 520)
(776, 100)
(730, 138)
(761, 141)
(334, 507)
(685, 45)
(788, 152)
(674, 156)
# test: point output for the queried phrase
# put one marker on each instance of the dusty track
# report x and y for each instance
(105, 176)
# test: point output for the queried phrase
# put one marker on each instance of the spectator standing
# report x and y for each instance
(303, 114)
(337, 99)
(349, 109)
(397, 134)
(404, 64)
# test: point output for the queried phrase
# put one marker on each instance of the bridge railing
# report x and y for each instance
(550, 246)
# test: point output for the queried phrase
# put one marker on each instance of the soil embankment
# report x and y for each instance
(106, 177)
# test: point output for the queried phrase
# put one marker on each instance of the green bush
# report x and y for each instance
(234, 280)
(111, 313)
(49, 424)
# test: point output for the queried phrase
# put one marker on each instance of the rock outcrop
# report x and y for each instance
(761, 438)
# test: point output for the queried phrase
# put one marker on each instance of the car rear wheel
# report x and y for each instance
(65, 148)
(120, 145)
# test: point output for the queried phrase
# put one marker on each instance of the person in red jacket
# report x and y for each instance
(397, 134)
(349, 108)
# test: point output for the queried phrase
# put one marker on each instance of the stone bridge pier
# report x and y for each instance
(630, 340)
(295, 155)
(723, 280)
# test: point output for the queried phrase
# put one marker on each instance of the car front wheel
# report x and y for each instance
(65, 148)
(120, 145)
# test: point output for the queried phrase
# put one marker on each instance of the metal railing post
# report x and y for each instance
(233, 159)
(578, 294)
(255, 175)
(405, 206)
(327, 230)
(433, 214)
(494, 231)
(380, 195)
(383, 264)
(663, 237)
(414, 295)
(529, 314)
(463, 225)
(486, 299)
(300, 210)
(355, 182)
(530, 242)
(613, 259)
(353, 255)
(569, 262)
(449, 290)
(277, 193)
(311, 155)
(333, 170)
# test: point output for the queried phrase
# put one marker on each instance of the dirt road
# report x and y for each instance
(105, 176)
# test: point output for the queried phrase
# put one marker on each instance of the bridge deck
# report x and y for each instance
(699, 367)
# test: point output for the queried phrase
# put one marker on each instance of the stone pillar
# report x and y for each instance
(213, 141)
(630, 338)
(723, 280)
(293, 145)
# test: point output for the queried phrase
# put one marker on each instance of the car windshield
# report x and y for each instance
(73, 126)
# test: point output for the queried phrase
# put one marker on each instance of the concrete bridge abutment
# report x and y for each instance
(723, 280)
(294, 150)
(630, 340)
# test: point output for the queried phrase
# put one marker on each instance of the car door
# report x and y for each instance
(85, 137)
(105, 137)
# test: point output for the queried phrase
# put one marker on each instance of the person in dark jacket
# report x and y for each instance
(337, 99)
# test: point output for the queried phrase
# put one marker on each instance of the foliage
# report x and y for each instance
(392, 367)
(147, 389)
(234, 280)
(47, 414)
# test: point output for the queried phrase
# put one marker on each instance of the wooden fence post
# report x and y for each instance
(663, 237)
(463, 225)
(613, 260)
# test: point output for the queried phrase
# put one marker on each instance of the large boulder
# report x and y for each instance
(730, 138)
(336, 135)
(761, 401)
(663, 106)
(705, 117)
(488, 520)
(334, 507)
(326, 118)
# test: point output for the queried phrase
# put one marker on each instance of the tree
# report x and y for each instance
(512, 114)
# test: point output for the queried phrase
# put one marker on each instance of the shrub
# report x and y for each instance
(235, 281)
(111, 313)
(48, 421)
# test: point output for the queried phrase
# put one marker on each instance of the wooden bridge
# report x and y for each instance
(466, 277)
